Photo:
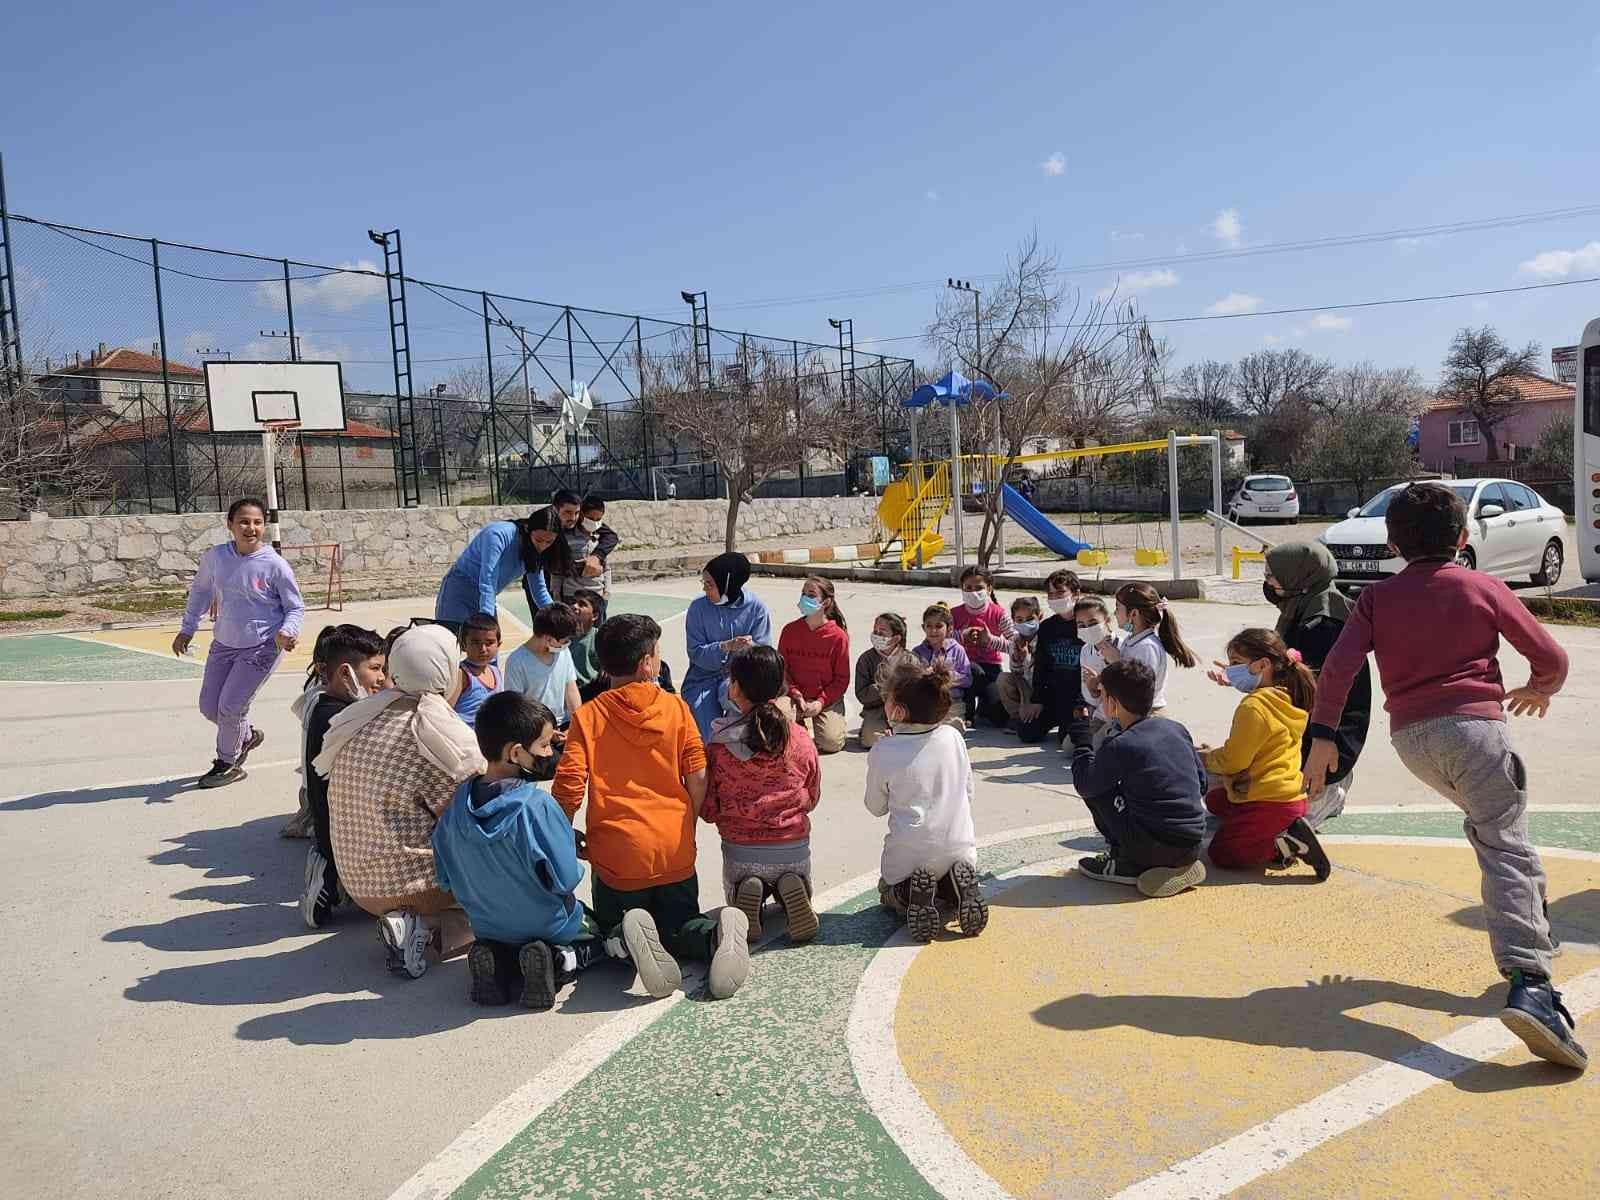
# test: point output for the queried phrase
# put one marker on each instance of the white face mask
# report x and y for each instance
(974, 600)
(356, 690)
(1062, 605)
(591, 525)
(1092, 635)
(1027, 628)
(881, 642)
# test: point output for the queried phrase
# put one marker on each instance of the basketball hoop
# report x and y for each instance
(277, 437)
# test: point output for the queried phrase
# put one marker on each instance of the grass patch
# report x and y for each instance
(1566, 612)
(147, 602)
(34, 614)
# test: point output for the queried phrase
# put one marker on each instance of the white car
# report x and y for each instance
(1265, 498)
(1511, 531)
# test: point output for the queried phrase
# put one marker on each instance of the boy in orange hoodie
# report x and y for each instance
(636, 753)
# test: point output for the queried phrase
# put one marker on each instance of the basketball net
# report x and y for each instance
(278, 442)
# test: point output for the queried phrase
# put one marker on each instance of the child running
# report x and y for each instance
(1057, 655)
(1261, 801)
(922, 780)
(542, 670)
(1435, 629)
(259, 611)
(507, 853)
(985, 633)
(1152, 636)
(888, 650)
(1143, 788)
(938, 648)
(762, 780)
(816, 649)
(480, 669)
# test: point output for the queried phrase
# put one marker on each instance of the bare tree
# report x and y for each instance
(1203, 394)
(41, 463)
(1072, 367)
(1371, 412)
(1481, 374)
(1267, 379)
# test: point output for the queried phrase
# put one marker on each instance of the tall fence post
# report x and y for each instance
(576, 435)
(166, 383)
(799, 414)
(494, 421)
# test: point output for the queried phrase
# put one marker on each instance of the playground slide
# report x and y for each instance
(1040, 527)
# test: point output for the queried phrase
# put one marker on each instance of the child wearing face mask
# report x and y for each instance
(888, 650)
(985, 632)
(1016, 682)
(1152, 636)
(938, 647)
(591, 541)
(507, 853)
(352, 662)
(816, 650)
(1057, 683)
(1260, 797)
(1094, 630)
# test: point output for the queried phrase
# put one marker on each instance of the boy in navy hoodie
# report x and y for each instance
(508, 854)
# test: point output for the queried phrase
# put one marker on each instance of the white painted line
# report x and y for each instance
(250, 767)
(797, 556)
(91, 640)
(1276, 1143)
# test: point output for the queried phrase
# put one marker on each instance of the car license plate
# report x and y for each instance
(1269, 508)
(1358, 568)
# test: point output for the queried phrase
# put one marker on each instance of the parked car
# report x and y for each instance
(1265, 498)
(1512, 531)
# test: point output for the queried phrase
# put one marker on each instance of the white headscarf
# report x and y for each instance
(422, 669)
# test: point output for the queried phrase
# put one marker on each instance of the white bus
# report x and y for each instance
(1586, 454)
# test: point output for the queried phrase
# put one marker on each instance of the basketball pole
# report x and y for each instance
(268, 455)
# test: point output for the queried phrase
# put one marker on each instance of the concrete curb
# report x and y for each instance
(860, 552)
(1172, 589)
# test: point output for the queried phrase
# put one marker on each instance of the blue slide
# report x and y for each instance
(1040, 527)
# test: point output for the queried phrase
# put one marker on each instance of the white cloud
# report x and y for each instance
(1558, 264)
(1139, 281)
(1332, 323)
(339, 291)
(1126, 235)
(1055, 165)
(1227, 228)
(1233, 304)
(930, 194)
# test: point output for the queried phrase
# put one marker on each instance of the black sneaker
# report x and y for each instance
(320, 895)
(922, 906)
(1534, 1013)
(490, 982)
(539, 984)
(1300, 842)
(972, 910)
(255, 739)
(220, 775)
(1108, 870)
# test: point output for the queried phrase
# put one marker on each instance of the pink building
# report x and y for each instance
(1448, 432)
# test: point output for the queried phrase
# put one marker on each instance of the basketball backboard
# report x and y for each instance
(249, 397)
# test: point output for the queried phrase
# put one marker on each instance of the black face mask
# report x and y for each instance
(1273, 595)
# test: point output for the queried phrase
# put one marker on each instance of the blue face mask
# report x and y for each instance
(1127, 627)
(809, 605)
(1242, 677)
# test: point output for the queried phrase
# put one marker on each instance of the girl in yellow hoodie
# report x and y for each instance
(1262, 803)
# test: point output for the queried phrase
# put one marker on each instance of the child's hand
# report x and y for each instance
(558, 738)
(1091, 680)
(1220, 675)
(1029, 712)
(180, 644)
(286, 641)
(1525, 702)
(1323, 758)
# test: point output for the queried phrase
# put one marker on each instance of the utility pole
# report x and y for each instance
(963, 285)
(292, 338)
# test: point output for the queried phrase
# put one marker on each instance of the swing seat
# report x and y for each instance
(1149, 557)
(1093, 558)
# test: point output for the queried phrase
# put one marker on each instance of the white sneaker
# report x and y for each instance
(730, 962)
(658, 970)
(316, 899)
(405, 938)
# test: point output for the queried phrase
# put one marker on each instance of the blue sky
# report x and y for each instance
(609, 155)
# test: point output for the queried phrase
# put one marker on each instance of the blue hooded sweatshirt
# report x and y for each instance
(505, 850)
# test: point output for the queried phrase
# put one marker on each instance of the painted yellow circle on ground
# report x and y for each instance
(1090, 1039)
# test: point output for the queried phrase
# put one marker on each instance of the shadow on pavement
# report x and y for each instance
(150, 793)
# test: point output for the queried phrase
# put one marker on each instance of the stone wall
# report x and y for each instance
(66, 556)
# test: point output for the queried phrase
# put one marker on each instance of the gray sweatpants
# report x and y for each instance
(1469, 761)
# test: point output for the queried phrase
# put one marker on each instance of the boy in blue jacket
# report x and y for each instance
(509, 855)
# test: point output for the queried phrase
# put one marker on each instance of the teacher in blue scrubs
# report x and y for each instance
(530, 548)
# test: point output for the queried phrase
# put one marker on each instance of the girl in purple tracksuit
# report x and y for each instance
(259, 611)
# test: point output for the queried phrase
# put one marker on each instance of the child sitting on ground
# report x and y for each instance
(1094, 628)
(350, 668)
(542, 670)
(588, 605)
(299, 825)
(1057, 683)
(507, 853)
(1143, 788)
(938, 648)
(888, 649)
(922, 780)
(1435, 629)
(1261, 801)
(480, 669)
(1016, 684)
(762, 779)
(816, 648)
(1152, 636)
(985, 633)
(634, 753)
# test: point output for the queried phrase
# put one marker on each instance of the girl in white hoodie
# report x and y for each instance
(920, 777)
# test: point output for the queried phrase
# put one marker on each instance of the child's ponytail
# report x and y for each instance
(1288, 670)
(1149, 604)
(759, 671)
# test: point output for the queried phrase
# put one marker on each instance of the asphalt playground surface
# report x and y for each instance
(178, 1032)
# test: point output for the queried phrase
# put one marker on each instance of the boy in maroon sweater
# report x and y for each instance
(1436, 628)
(816, 650)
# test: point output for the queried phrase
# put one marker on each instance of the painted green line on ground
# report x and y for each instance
(1569, 830)
(50, 658)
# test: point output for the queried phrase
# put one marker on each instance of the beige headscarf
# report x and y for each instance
(422, 669)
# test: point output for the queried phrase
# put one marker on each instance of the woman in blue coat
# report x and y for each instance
(725, 619)
(497, 554)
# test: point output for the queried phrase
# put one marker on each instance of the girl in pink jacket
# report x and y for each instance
(762, 781)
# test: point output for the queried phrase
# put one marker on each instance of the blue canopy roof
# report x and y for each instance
(954, 388)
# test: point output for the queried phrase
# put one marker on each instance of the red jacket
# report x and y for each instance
(756, 799)
(818, 660)
(1435, 628)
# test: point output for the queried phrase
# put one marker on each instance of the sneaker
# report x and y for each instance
(404, 939)
(488, 974)
(1160, 882)
(796, 900)
(299, 825)
(730, 961)
(1534, 1013)
(220, 775)
(1299, 842)
(255, 739)
(748, 898)
(1107, 869)
(922, 906)
(317, 899)
(972, 910)
(658, 970)
(539, 986)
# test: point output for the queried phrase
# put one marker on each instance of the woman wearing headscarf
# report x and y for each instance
(393, 761)
(1311, 615)
(725, 619)
(530, 547)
